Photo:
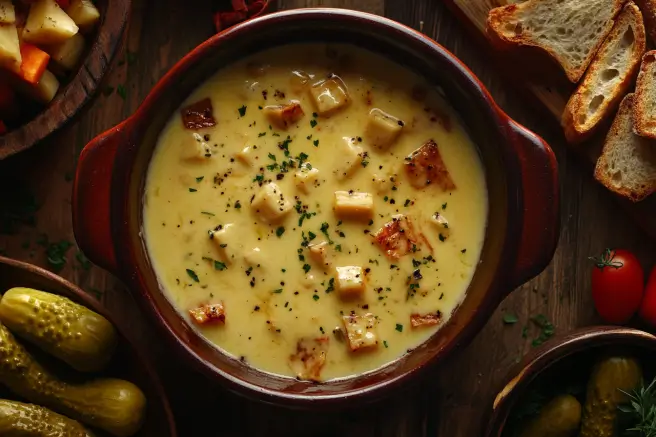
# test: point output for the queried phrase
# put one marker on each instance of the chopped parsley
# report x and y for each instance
(192, 190)
(200, 178)
(316, 143)
(442, 238)
(385, 343)
(547, 330)
(331, 285)
(120, 90)
(313, 123)
(312, 235)
(315, 297)
(306, 267)
(399, 327)
(510, 319)
(443, 206)
(193, 275)
(218, 265)
(338, 247)
(280, 231)
(242, 111)
(407, 203)
(237, 204)
(272, 156)
(261, 134)
(259, 178)
(277, 291)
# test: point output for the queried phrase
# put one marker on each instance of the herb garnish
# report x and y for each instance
(193, 275)
(192, 190)
(242, 111)
(280, 231)
(510, 319)
(399, 327)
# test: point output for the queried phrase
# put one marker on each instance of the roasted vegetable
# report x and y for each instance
(24, 420)
(113, 405)
(611, 377)
(561, 417)
(47, 23)
(64, 329)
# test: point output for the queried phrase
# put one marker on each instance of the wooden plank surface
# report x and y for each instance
(454, 402)
(548, 85)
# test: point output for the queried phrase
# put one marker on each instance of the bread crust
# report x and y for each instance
(648, 9)
(644, 121)
(615, 134)
(577, 126)
(499, 17)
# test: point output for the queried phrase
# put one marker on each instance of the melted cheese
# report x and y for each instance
(278, 221)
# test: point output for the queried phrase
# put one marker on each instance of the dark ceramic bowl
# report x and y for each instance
(75, 92)
(128, 363)
(580, 347)
(521, 174)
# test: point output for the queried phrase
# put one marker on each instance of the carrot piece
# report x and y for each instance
(34, 63)
(239, 5)
(3, 128)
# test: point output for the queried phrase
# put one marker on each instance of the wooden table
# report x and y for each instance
(459, 396)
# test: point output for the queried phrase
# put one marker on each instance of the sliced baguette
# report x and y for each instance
(627, 165)
(644, 117)
(570, 31)
(648, 9)
(608, 78)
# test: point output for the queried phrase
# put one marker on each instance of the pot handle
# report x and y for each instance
(92, 198)
(541, 200)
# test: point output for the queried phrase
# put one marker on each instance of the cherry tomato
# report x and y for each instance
(648, 306)
(617, 285)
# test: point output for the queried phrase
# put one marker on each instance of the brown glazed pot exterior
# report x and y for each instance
(127, 363)
(521, 174)
(579, 341)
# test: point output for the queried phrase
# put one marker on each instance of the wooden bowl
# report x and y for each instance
(566, 352)
(128, 363)
(79, 88)
(521, 173)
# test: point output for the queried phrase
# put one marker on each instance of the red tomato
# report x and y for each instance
(617, 285)
(648, 306)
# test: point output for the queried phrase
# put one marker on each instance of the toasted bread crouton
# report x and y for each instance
(208, 313)
(570, 31)
(644, 107)
(425, 167)
(310, 357)
(282, 116)
(608, 78)
(397, 237)
(430, 319)
(627, 165)
(360, 331)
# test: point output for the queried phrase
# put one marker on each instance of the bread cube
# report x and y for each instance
(196, 148)
(360, 331)
(319, 253)
(349, 159)
(329, 95)
(47, 23)
(350, 281)
(84, 13)
(7, 12)
(309, 358)
(208, 314)
(382, 129)
(227, 242)
(441, 224)
(353, 205)
(306, 177)
(283, 116)
(10, 56)
(68, 53)
(270, 203)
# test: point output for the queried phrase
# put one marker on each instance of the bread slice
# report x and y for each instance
(608, 78)
(644, 117)
(648, 9)
(627, 165)
(570, 31)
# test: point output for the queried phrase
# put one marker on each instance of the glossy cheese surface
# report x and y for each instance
(330, 220)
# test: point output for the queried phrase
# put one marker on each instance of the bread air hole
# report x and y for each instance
(514, 28)
(628, 38)
(609, 74)
(595, 103)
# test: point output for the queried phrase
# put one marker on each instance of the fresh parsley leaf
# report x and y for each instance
(510, 319)
(193, 275)
(399, 327)
(280, 231)
(218, 265)
(242, 111)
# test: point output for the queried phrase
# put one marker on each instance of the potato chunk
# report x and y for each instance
(382, 129)
(360, 331)
(227, 241)
(47, 23)
(246, 155)
(270, 203)
(397, 237)
(329, 95)
(425, 167)
(349, 158)
(283, 116)
(84, 13)
(353, 205)
(306, 177)
(196, 149)
(10, 56)
(319, 253)
(7, 12)
(350, 281)
(208, 313)
(68, 53)
(45, 90)
(310, 357)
